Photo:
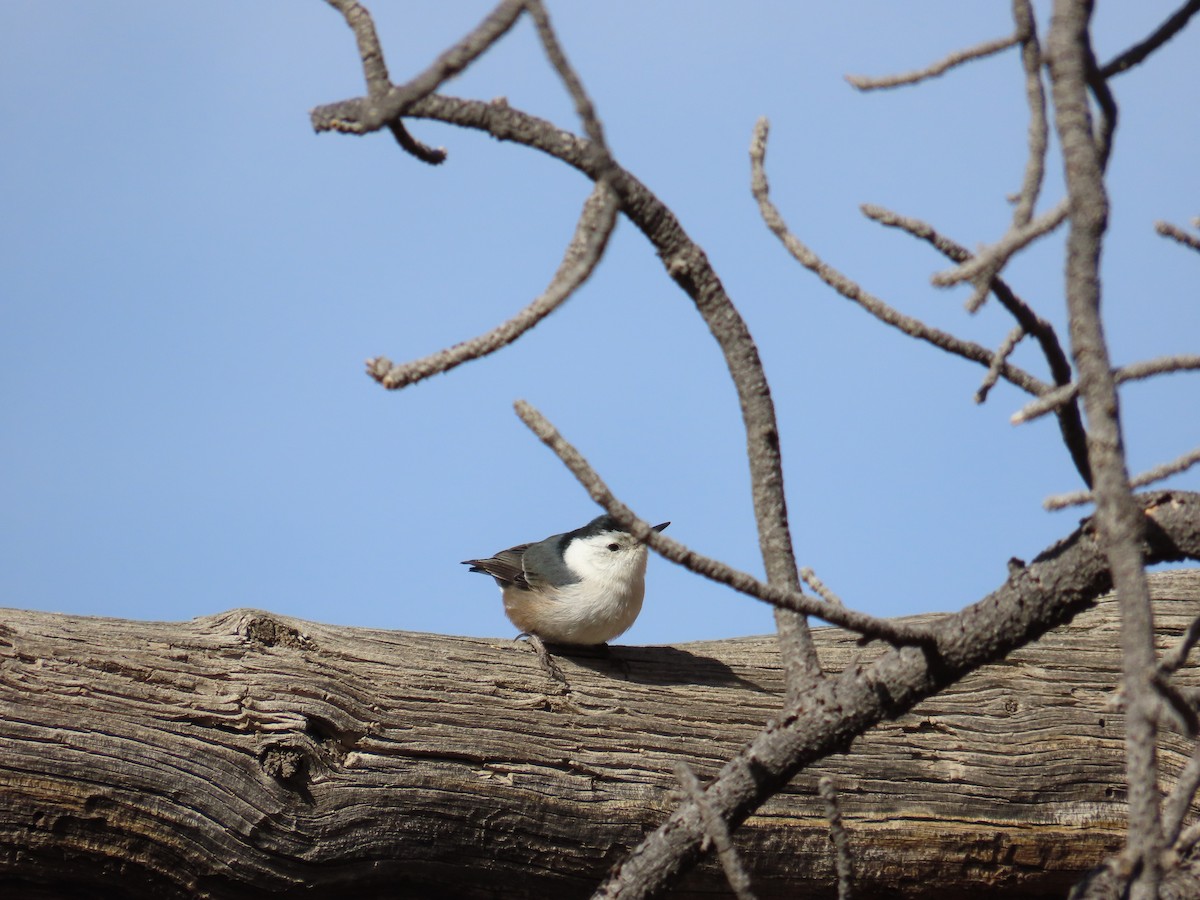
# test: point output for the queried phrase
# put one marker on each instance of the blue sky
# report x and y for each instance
(192, 280)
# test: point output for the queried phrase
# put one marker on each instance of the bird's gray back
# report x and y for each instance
(543, 563)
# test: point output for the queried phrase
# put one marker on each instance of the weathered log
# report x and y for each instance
(247, 753)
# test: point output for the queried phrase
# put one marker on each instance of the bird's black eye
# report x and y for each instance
(614, 547)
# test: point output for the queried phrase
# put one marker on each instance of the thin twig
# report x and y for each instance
(1119, 518)
(1173, 660)
(1158, 473)
(1069, 419)
(957, 58)
(375, 74)
(1142, 49)
(844, 860)
(583, 104)
(1179, 801)
(890, 630)
(1166, 229)
(852, 291)
(1035, 98)
(1003, 352)
(991, 259)
(362, 116)
(434, 156)
(595, 226)
(717, 831)
(1132, 372)
(370, 51)
(809, 577)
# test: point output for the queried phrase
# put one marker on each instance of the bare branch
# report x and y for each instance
(979, 51)
(375, 74)
(1139, 51)
(1132, 372)
(717, 831)
(809, 577)
(1158, 473)
(362, 116)
(844, 861)
(1035, 98)
(1003, 352)
(852, 291)
(889, 630)
(1033, 597)
(1173, 660)
(583, 104)
(1119, 519)
(434, 156)
(1070, 422)
(992, 259)
(595, 226)
(369, 49)
(1166, 229)
(1179, 801)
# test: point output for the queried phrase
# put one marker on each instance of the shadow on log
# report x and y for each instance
(247, 754)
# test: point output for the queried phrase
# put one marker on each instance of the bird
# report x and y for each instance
(581, 587)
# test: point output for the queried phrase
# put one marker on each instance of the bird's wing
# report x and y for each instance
(505, 566)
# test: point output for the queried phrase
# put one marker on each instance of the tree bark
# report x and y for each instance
(247, 753)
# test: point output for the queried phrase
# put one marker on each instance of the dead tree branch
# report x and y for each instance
(1133, 372)
(890, 630)
(1158, 473)
(717, 833)
(1139, 52)
(1070, 422)
(1033, 597)
(957, 58)
(246, 754)
(1166, 229)
(1072, 73)
(838, 837)
(583, 254)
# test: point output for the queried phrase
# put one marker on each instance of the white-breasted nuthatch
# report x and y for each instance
(581, 587)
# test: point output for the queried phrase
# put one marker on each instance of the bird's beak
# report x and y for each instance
(660, 527)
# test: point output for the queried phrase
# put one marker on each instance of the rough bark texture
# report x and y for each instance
(248, 753)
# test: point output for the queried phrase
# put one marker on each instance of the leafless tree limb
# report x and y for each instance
(1166, 229)
(717, 832)
(369, 49)
(809, 577)
(992, 258)
(595, 226)
(1072, 73)
(1132, 372)
(362, 116)
(1173, 660)
(843, 859)
(889, 630)
(583, 104)
(979, 51)
(1141, 50)
(1035, 98)
(1158, 473)
(1033, 596)
(375, 74)
(1069, 419)
(852, 291)
(1179, 801)
(1003, 352)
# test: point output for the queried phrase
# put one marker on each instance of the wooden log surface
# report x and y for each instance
(247, 754)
